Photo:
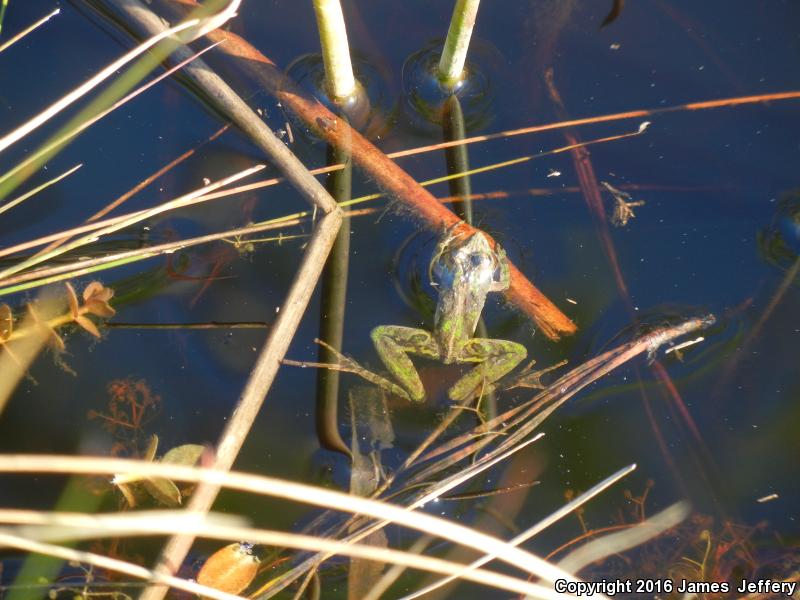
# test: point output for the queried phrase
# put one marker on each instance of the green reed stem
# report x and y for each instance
(454, 55)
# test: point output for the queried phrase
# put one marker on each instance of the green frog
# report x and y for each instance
(464, 269)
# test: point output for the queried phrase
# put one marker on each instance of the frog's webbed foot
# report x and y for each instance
(348, 365)
(532, 379)
(495, 359)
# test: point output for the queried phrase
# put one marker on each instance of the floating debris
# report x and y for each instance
(623, 206)
(677, 348)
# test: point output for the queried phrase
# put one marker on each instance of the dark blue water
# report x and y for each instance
(715, 182)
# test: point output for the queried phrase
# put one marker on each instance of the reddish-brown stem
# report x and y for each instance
(394, 180)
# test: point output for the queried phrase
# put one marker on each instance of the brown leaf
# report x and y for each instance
(91, 289)
(73, 300)
(88, 325)
(99, 308)
(230, 569)
(96, 291)
(6, 322)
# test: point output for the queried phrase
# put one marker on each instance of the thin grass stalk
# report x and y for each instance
(339, 77)
(80, 91)
(423, 498)
(14, 39)
(454, 54)
(3, 6)
(29, 194)
(292, 217)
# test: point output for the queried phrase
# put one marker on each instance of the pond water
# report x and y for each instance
(718, 233)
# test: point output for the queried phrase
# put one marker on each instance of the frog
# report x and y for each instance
(464, 269)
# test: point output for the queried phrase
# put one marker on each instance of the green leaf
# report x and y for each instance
(163, 490)
(188, 455)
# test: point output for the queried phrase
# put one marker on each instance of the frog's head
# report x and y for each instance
(464, 269)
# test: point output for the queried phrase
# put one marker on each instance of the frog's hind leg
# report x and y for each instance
(394, 343)
(495, 359)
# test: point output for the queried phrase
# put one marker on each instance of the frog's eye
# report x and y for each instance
(476, 260)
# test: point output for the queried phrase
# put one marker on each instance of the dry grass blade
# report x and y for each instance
(531, 531)
(58, 106)
(146, 214)
(296, 492)
(192, 29)
(620, 541)
(46, 275)
(55, 527)
(40, 156)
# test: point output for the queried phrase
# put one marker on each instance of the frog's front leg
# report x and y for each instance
(394, 343)
(496, 358)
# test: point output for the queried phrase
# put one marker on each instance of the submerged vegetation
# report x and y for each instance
(440, 460)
